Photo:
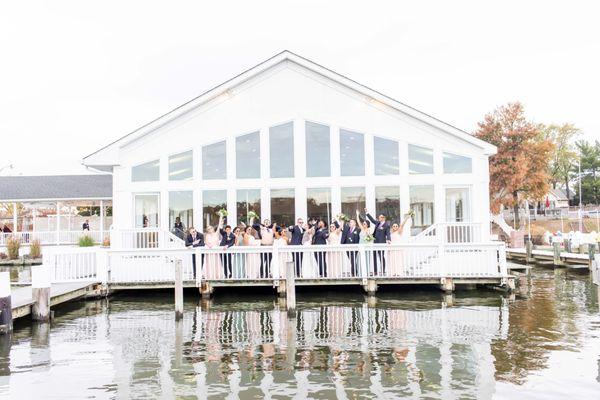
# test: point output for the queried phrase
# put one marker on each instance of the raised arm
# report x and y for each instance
(373, 220)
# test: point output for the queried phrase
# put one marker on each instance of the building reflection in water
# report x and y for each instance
(343, 351)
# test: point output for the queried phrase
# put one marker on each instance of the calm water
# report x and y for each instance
(542, 343)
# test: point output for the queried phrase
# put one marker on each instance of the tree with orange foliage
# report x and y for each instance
(520, 169)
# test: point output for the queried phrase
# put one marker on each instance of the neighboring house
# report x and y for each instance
(556, 198)
(54, 208)
(290, 138)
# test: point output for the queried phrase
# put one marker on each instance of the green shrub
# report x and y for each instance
(35, 249)
(86, 241)
(12, 247)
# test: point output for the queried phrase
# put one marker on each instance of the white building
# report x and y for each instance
(289, 138)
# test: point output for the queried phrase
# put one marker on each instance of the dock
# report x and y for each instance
(554, 258)
(22, 297)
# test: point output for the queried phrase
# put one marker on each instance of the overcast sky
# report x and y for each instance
(76, 75)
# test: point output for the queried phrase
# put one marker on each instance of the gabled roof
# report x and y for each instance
(55, 187)
(292, 57)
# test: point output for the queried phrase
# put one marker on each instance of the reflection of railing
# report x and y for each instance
(451, 232)
(53, 237)
(308, 263)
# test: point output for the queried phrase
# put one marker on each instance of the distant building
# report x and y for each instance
(54, 208)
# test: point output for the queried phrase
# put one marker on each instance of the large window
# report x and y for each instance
(386, 156)
(146, 210)
(147, 172)
(181, 166)
(352, 199)
(181, 205)
(247, 200)
(283, 206)
(212, 202)
(387, 202)
(352, 153)
(281, 150)
(214, 161)
(457, 205)
(455, 164)
(247, 156)
(318, 161)
(421, 202)
(318, 203)
(420, 160)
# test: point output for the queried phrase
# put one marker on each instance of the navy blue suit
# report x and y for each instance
(351, 238)
(319, 239)
(227, 239)
(297, 234)
(381, 234)
(189, 242)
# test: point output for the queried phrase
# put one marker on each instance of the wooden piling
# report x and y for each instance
(528, 251)
(40, 291)
(556, 252)
(371, 287)
(567, 244)
(6, 325)
(447, 285)
(591, 254)
(178, 290)
(290, 288)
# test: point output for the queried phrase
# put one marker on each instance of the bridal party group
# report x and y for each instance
(308, 263)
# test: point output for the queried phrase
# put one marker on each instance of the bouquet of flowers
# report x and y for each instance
(222, 213)
(410, 213)
(369, 239)
(343, 217)
(252, 214)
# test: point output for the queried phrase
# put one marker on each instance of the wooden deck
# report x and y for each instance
(21, 297)
(548, 257)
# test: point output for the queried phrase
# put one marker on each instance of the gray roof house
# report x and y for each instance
(55, 187)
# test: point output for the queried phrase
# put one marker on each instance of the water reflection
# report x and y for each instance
(419, 344)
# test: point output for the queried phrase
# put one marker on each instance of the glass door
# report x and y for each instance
(458, 207)
(146, 210)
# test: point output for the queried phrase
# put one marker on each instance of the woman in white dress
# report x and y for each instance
(396, 256)
(365, 230)
(309, 264)
(283, 257)
(335, 259)
(252, 259)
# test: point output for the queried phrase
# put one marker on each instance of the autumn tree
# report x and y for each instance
(564, 156)
(589, 154)
(519, 170)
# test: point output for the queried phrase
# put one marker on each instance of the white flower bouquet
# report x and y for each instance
(252, 214)
(222, 213)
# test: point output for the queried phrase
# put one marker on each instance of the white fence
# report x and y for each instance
(53, 237)
(144, 238)
(452, 232)
(266, 263)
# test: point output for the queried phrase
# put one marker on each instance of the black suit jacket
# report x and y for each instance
(350, 238)
(189, 240)
(227, 239)
(297, 234)
(320, 236)
(381, 233)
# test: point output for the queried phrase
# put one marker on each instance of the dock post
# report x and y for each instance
(178, 290)
(290, 289)
(567, 244)
(528, 251)
(371, 287)
(6, 324)
(591, 254)
(447, 285)
(40, 291)
(281, 288)
(556, 252)
(205, 290)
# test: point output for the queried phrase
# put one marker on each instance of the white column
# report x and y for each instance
(102, 211)
(336, 202)
(265, 203)
(197, 210)
(299, 150)
(231, 206)
(369, 156)
(57, 222)
(15, 216)
(301, 209)
(335, 151)
(265, 157)
(439, 207)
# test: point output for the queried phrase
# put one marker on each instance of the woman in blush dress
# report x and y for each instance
(396, 256)
(335, 259)
(252, 259)
(212, 262)
(238, 259)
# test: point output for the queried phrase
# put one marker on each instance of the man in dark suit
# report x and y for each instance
(195, 239)
(227, 240)
(297, 234)
(320, 238)
(351, 235)
(86, 225)
(381, 234)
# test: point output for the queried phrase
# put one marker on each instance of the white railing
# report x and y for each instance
(269, 264)
(51, 237)
(451, 232)
(144, 238)
(71, 264)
